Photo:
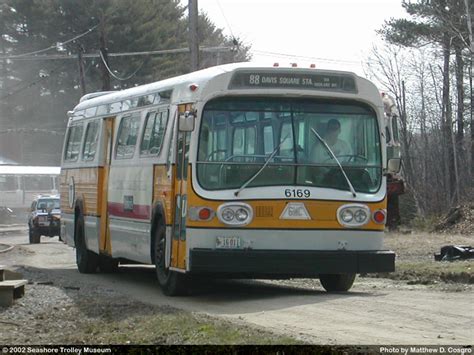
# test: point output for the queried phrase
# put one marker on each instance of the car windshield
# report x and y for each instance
(48, 204)
(238, 135)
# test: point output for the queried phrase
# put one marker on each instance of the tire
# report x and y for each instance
(107, 264)
(87, 261)
(337, 282)
(34, 236)
(172, 283)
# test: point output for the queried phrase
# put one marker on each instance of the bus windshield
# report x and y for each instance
(238, 135)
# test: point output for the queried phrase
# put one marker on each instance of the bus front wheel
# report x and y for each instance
(171, 282)
(337, 282)
(86, 260)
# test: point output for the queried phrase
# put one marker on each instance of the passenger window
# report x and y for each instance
(73, 143)
(244, 141)
(90, 142)
(238, 141)
(90, 112)
(127, 136)
(154, 133)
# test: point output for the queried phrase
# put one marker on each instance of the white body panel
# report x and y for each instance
(130, 239)
(92, 232)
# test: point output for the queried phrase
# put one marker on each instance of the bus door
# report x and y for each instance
(104, 241)
(178, 258)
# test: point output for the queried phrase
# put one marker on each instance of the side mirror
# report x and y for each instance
(394, 165)
(186, 121)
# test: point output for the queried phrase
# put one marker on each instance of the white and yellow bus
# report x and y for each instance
(231, 171)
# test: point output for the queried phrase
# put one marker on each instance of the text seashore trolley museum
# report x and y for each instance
(233, 171)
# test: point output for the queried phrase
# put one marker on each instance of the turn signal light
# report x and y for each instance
(198, 213)
(204, 213)
(379, 216)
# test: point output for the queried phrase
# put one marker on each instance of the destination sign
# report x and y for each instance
(308, 81)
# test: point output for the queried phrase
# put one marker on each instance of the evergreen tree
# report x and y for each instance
(38, 93)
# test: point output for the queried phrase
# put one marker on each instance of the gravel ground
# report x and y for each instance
(58, 312)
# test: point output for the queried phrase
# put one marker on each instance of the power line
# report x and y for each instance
(53, 46)
(118, 54)
(265, 53)
(113, 74)
(27, 86)
(225, 19)
(32, 130)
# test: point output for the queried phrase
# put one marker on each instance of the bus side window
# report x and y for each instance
(73, 143)
(90, 142)
(154, 133)
(127, 136)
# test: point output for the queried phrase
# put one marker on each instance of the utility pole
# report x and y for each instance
(470, 21)
(193, 34)
(82, 79)
(104, 58)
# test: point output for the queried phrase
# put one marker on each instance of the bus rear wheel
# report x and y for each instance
(171, 282)
(337, 282)
(87, 261)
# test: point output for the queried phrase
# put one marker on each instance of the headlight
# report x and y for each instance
(241, 214)
(347, 215)
(235, 214)
(360, 216)
(354, 215)
(227, 214)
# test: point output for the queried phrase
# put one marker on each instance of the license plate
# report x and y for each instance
(228, 242)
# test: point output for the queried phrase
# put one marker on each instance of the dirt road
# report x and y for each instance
(377, 311)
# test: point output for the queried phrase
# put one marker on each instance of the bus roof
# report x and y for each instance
(198, 77)
(29, 170)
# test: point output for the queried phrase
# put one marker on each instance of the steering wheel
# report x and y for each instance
(352, 157)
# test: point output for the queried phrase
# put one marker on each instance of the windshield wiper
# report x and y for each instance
(263, 167)
(337, 161)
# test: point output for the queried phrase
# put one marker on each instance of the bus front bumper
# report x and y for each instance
(288, 263)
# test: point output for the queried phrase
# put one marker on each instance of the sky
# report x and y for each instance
(332, 34)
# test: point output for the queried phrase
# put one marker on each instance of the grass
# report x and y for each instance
(430, 272)
(415, 258)
(168, 326)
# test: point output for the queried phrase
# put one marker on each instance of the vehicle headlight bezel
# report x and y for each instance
(235, 213)
(360, 215)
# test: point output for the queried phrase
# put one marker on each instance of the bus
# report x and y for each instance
(20, 185)
(214, 173)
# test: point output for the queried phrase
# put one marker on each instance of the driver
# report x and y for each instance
(320, 154)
